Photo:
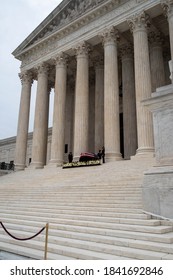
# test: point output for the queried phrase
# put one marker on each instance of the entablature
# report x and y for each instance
(87, 27)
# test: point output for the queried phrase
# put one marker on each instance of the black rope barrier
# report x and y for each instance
(21, 239)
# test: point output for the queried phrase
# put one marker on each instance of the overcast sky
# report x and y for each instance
(18, 19)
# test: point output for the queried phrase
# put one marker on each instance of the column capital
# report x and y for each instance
(110, 35)
(26, 77)
(167, 6)
(83, 48)
(139, 22)
(60, 60)
(42, 68)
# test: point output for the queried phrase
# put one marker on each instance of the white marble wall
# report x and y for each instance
(158, 181)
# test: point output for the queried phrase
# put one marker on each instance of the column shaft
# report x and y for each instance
(99, 107)
(40, 134)
(129, 102)
(23, 121)
(142, 83)
(111, 98)
(69, 116)
(156, 61)
(91, 131)
(58, 130)
(81, 102)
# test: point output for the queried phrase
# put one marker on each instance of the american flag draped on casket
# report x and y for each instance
(88, 157)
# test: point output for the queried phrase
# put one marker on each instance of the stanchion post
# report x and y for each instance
(46, 242)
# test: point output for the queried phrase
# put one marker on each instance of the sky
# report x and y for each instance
(18, 18)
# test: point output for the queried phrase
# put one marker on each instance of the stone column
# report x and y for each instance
(168, 9)
(138, 25)
(129, 101)
(81, 101)
(39, 144)
(91, 130)
(156, 60)
(111, 97)
(57, 147)
(69, 114)
(99, 105)
(23, 121)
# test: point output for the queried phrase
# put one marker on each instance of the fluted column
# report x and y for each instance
(156, 60)
(91, 130)
(58, 130)
(138, 25)
(99, 105)
(81, 122)
(39, 144)
(111, 97)
(129, 101)
(69, 114)
(23, 121)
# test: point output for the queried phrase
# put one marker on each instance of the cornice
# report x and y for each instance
(74, 24)
(59, 42)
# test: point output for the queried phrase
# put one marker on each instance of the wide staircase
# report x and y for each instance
(93, 213)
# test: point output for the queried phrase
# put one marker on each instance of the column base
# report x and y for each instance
(36, 165)
(145, 151)
(110, 157)
(55, 163)
(19, 167)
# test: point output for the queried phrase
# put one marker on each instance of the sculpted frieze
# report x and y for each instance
(62, 38)
(73, 11)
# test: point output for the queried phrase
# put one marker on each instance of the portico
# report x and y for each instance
(88, 51)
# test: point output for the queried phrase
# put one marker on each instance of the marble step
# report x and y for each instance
(104, 188)
(24, 225)
(81, 239)
(80, 233)
(123, 194)
(69, 218)
(91, 250)
(116, 247)
(133, 200)
(51, 208)
(119, 238)
(68, 196)
(11, 256)
(56, 252)
(21, 252)
(58, 213)
(149, 236)
(42, 204)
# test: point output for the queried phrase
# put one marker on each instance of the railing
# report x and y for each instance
(46, 227)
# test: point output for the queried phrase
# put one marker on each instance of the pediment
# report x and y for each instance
(64, 14)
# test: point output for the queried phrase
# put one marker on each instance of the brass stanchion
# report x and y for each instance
(46, 242)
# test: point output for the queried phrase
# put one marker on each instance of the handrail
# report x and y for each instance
(29, 238)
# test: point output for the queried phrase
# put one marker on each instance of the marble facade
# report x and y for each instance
(102, 57)
(158, 181)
